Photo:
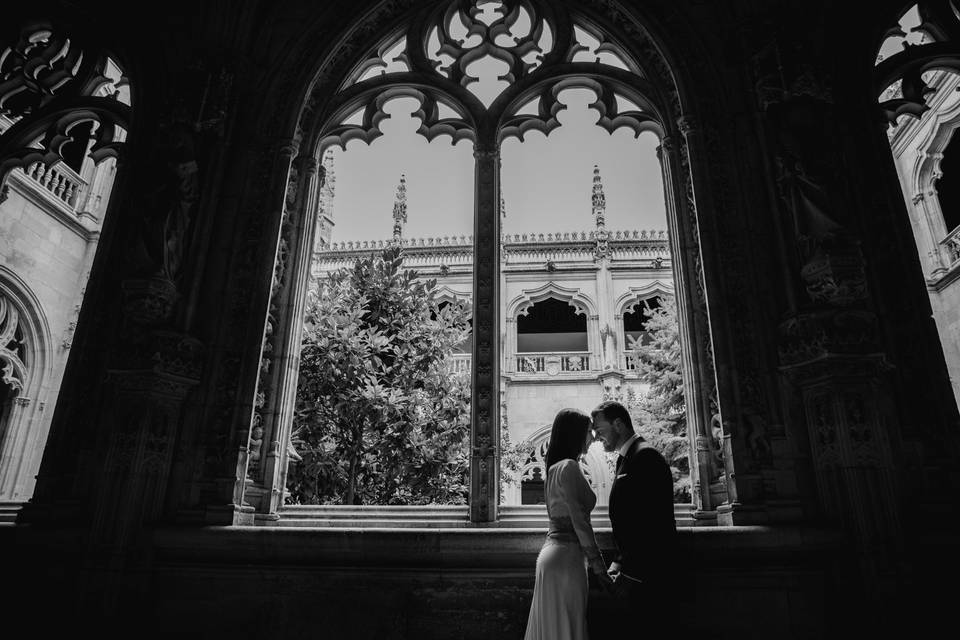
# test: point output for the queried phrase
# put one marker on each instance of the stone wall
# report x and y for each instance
(51, 257)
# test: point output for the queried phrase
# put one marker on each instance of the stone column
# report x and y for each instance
(604, 284)
(595, 343)
(938, 263)
(15, 454)
(510, 350)
(152, 371)
(847, 411)
(695, 341)
(227, 434)
(270, 431)
(484, 400)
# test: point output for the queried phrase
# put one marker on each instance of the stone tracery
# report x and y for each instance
(13, 370)
(940, 24)
(545, 58)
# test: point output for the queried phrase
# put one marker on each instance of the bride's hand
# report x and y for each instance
(599, 569)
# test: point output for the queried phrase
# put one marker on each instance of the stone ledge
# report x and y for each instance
(461, 548)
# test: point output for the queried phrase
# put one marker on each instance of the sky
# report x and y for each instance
(547, 181)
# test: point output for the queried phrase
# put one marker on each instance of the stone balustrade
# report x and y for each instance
(59, 181)
(951, 245)
(585, 236)
(553, 363)
(459, 363)
(466, 241)
(450, 251)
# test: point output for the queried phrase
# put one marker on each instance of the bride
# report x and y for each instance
(559, 607)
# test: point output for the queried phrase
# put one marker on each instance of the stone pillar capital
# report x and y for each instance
(688, 125)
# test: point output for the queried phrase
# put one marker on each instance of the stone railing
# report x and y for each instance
(453, 251)
(59, 181)
(553, 363)
(508, 239)
(459, 363)
(585, 236)
(951, 246)
(412, 243)
(629, 361)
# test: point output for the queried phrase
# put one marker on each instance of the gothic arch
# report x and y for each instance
(538, 441)
(597, 465)
(638, 294)
(927, 212)
(49, 87)
(21, 314)
(521, 304)
(446, 293)
(333, 96)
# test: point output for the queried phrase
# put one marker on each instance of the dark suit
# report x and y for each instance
(641, 513)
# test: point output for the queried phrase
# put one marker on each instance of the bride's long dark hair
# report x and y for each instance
(567, 435)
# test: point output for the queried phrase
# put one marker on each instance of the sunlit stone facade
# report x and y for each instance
(588, 280)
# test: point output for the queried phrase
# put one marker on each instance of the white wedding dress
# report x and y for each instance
(559, 607)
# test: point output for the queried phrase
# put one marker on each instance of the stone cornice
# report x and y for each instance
(653, 242)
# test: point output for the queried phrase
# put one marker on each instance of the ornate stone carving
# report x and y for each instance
(907, 66)
(36, 68)
(149, 301)
(832, 265)
(47, 86)
(13, 369)
(810, 336)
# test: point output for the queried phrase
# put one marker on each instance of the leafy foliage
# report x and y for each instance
(381, 418)
(661, 415)
(512, 457)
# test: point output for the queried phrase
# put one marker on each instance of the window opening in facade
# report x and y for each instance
(497, 74)
(383, 399)
(948, 184)
(919, 91)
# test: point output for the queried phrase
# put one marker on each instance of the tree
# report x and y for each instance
(381, 418)
(661, 413)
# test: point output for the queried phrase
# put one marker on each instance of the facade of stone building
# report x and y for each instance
(918, 147)
(50, 217)
(814, 368)
(559, 370)
(595, 282)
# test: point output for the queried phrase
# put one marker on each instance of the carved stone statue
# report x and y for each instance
(609, 348)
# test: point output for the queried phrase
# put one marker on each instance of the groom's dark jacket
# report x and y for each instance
(641, 513)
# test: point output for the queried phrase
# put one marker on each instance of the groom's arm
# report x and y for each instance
(638, 500)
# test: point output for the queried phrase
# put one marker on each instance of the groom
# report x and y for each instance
(641, 513)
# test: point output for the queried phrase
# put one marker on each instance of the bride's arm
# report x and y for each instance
(578, 495)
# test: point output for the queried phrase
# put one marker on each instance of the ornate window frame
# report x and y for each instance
(639, 294)
(333, 99)
(20, 308)
(625, 302)
(521, 304)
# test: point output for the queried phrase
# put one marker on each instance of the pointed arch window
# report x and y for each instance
(486, 71)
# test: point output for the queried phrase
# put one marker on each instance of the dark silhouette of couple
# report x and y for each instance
(641, 514)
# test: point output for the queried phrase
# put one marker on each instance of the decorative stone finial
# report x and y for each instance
(599, 200)
(599, 206)
(400, 209)
(325, 222)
